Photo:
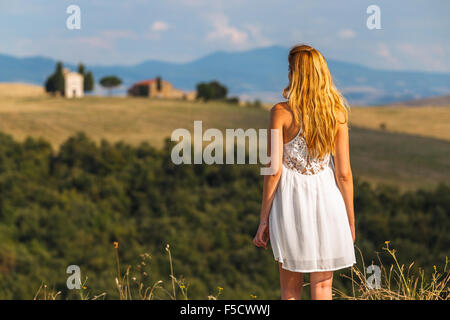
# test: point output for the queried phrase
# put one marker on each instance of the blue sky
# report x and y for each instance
(414, 34)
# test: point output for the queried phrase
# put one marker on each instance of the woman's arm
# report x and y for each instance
(343, 170)
(271, 181)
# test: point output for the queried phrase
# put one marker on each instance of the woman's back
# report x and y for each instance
(311, 226)
(296, 157)
(295, 150)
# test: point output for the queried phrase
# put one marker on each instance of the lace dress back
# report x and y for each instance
(296, 157)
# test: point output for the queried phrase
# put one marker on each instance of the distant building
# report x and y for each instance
(150, 88)
(73, 84)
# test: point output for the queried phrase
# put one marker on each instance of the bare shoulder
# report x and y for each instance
(280, 106)
(342, 117)
(280, 109)
(279, 113)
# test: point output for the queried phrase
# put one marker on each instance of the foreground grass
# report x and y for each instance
(397, 282)
(394, 282)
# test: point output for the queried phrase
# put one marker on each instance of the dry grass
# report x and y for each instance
(133, 120)
(133, 284)
(397, 282)
(378, 156)
(20, 90)
(423, 121)
(26, 111)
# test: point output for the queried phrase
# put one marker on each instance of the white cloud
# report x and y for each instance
(156, 30)
(410, 56)
(159, 26)
(257, 36)
(433, 57)
(223, 30)
(384, 52)
(346, 34)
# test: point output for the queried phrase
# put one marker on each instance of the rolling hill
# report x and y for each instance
(389, 156)
(258, 73)
(68, 206)
(439, 101)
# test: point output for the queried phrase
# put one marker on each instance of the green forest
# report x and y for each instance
(70, 206)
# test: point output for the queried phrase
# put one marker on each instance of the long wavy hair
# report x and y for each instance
(314, 100)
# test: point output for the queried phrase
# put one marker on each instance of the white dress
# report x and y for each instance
(309, 228)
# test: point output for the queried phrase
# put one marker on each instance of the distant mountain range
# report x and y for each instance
(258, 73)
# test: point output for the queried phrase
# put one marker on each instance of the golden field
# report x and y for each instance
(426, 121)
(408, 146)
(20, 90)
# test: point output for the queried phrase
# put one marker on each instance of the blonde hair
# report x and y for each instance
(312, 95)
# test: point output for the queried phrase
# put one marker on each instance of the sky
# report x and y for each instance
(414, 34)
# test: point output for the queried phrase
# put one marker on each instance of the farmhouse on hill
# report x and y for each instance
(73, 84)
(158, 88)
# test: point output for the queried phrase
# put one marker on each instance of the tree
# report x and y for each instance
(211, 91)
(218, 91)
(89, 82)
(50, 84)
(59, 78)
(81, 69)
(232, 100)
(55, 82)
(203, 91)
(110, 82)
(158, 84)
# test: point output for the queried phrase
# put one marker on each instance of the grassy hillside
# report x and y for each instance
(20, 90)
(405, 160)
(412, 160)
(130, 119)
(69, 207)
(443, 101)
(426, 121)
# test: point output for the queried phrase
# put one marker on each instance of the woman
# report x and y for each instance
(307, 205)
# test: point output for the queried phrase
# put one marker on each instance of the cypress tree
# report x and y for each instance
(81, 69)
(58, 77)
(158, 84)
(89, 82)
(55, 82)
